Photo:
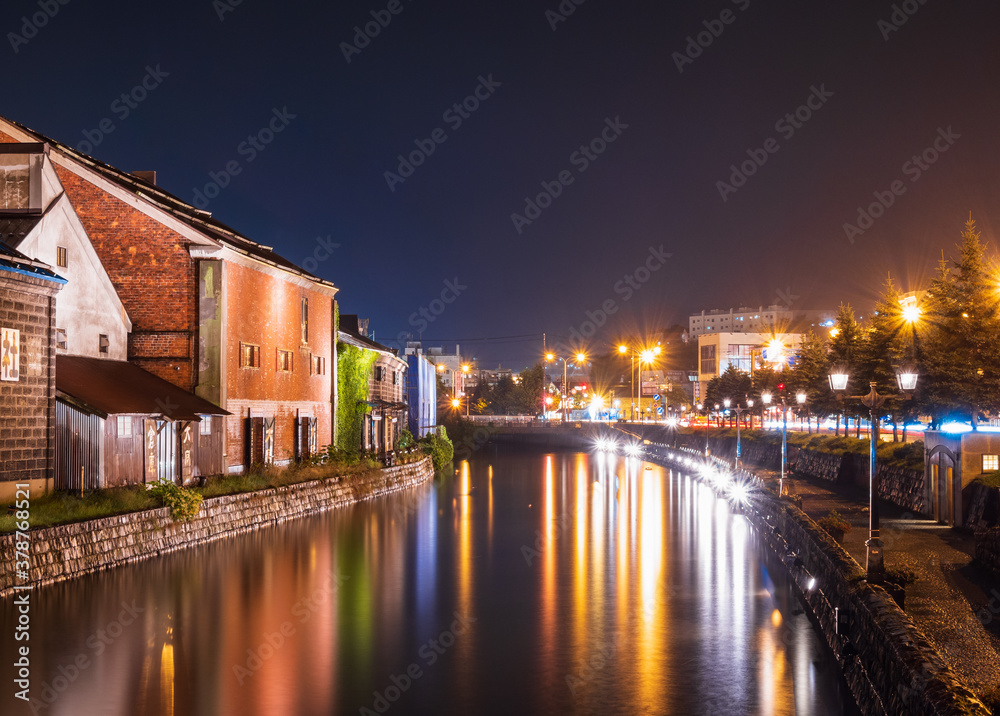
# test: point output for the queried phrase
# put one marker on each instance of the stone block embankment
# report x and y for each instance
(66, 551)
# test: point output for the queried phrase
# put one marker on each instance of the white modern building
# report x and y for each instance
(718, 351)
(763, 319)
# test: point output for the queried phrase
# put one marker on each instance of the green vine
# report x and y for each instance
(184, 504)
(354, 369)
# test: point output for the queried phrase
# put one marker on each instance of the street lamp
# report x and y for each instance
(648, 356)
(580, 358)
(739, 412)
(800, 398)
(749, 411)
(766, 397)
(906, 380)
(465, 372)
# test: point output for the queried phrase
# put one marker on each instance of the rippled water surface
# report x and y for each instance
(522, 583)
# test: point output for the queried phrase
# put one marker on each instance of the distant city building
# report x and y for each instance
(421, 392)
(447, 365)
(769, 319)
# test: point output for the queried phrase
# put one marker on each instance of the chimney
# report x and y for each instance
(147, 176)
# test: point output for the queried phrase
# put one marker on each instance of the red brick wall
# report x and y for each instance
(153, 273)
(265, 311)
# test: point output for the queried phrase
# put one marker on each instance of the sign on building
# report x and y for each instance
(10, 354)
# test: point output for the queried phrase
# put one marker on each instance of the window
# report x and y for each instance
(317, 365)
(206, 425)
(991, 462)
(305, 320)
(61, 338)
(708, 359)
(21, 178)
(124, 426)
(285, 361)
(739, 356)
(379, 373)
(103, 344)
(249, 355)
(395, 377)
(61, 256)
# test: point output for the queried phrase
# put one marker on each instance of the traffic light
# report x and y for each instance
(781, 387)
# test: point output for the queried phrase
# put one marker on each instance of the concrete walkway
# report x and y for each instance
(955, 603)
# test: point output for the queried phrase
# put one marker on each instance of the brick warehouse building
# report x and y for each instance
(28, 291)
(212, 311)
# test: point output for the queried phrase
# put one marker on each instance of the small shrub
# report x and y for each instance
(405, 441)
(440, 448)
(900, 576)
(834, 523)
(184, 504)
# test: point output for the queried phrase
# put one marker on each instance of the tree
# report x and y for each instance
(733, 384)
(845, 350)
(812, 376)
(884, 350)
(960, 358)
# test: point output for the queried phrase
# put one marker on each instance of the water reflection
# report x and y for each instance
(522, 583)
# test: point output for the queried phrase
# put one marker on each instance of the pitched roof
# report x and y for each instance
(14, 261)
(110, 387)
(198, 219)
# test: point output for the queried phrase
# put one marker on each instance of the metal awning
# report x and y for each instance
(111, 387)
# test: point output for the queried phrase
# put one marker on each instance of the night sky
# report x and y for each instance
(880, 94)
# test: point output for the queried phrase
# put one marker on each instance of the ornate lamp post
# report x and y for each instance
(906, 379)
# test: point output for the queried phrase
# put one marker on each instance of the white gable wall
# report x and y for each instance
(88, 305)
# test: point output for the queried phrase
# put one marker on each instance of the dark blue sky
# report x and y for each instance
(880, 95)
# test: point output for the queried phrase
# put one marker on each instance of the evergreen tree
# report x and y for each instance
(812, 376)
(960, 356)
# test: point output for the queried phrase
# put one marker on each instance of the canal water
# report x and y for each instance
(523, 583)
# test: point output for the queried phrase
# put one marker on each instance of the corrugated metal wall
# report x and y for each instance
(79, 449)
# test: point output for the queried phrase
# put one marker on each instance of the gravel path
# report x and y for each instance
(953, 602)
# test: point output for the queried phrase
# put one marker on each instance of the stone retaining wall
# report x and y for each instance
(901, 487)
(66, 551)
(984, 506)
(887, 662)
(988, 549)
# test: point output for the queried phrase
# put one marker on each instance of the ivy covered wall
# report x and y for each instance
(354, 369)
